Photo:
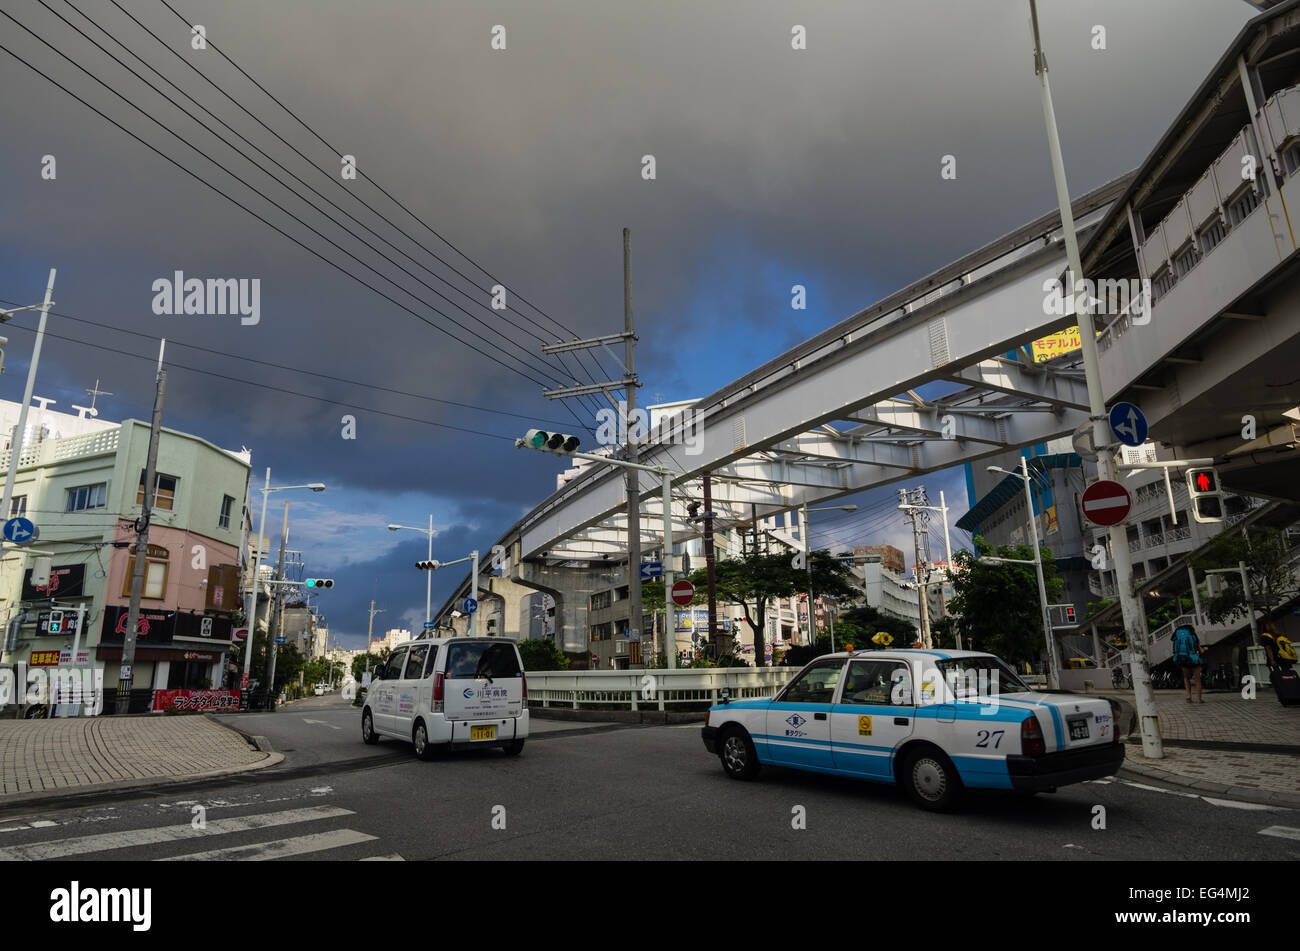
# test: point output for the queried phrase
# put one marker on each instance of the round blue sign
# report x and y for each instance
(470, 605)
(1128, 424)
(19, 530)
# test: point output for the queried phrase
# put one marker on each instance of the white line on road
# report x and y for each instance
(322, 723)
(279, 848)
(390, 857)
(1281, 832)
(1234, 804)
(81, 845)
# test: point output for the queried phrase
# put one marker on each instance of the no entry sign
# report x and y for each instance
(1106, 503)
(683, 592)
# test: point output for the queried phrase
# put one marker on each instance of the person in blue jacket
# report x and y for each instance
(1187, 655)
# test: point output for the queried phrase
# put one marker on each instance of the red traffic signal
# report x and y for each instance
(1205, 494)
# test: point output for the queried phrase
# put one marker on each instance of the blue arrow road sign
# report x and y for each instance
(281, 639)
(430, 625)
(1128, 424)
(651, 570)
(470, 606)
(19, 530)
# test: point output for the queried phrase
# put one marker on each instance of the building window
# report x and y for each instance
(227, 505)
(1186, 258)
(601, 599)
(155, 573)
(621, 594)
(1212, 234)
(17, 506)
(87, 497)
(1242, 206)
(164, 494)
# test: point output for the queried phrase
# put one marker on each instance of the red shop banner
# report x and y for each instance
(196, 700)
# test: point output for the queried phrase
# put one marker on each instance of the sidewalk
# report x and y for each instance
(1242, 749)
(40, 758)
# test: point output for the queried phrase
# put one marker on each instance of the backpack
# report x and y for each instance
(1286, 651)
(1186, 648)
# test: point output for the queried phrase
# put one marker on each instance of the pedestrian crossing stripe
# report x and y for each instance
(278, 848)
(82, 845)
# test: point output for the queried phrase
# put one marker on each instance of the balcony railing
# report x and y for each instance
(50, 451)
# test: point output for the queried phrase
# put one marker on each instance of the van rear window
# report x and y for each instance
(465, 661)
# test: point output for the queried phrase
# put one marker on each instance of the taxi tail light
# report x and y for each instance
(437, 693)
(1031, 737)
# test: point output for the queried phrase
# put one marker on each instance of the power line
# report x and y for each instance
(280, 366)
(293, 115)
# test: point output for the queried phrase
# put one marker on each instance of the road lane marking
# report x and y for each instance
(81, 845)
(278, 848)
(1281, 832)
(322, 723)
(1234, 804)
(390, 857)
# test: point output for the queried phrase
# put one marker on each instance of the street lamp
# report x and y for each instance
(1053, 681)
(250, 599)
(428, 587)
(807, 557)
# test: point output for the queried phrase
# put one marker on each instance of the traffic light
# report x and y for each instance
(55, 625)
(560, 443)
(1205, 494)
(320, 582)
(428, 565)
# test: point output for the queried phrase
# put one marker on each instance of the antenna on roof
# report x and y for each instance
(94, 393)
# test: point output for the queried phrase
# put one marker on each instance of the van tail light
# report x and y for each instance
(525, 677)
(707, 714)
(1116, 711)
(1031, 737)
(437, 693)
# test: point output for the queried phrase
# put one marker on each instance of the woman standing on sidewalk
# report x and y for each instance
(1187, 655)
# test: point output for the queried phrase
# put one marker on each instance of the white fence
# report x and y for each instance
(653, 689)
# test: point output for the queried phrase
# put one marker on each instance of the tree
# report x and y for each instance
(867, 621)
(375, 660)
(542, 655)
(1271, 578)
(760, 578)
(997, 606)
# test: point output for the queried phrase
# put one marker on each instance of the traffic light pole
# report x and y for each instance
(1144, 697)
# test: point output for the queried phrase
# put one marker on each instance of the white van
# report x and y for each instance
(449, 692)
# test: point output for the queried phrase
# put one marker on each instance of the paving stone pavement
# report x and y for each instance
(39, 756)
(1239, 772)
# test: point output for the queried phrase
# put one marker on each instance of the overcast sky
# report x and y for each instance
(774, 167)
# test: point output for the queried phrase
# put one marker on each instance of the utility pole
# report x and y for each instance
(16, 444)
(708, 563)
(633, 476)
(276, 620)
(1134, 618)
(147, 489)
(807, 557)
(370, 631)
(913, 504)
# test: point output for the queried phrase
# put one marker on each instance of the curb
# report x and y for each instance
(51, 796)
(1267, 797)
(616, 716)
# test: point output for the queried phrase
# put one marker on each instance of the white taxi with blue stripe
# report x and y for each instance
(934, 721)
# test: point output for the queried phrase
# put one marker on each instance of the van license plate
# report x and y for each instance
(1079, 729)
(490, 732)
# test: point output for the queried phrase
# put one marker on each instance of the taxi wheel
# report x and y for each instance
(514, 747)
(931, 780)
(368, 734)
(736, 751)
(423, 748)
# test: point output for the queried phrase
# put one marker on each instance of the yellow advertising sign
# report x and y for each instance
(864, 726)
(1054, 345)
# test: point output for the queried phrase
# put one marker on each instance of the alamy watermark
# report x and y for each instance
(1108, 297)
(20, 684)
(212, 297)
(618, 427)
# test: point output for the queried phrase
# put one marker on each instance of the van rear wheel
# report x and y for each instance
(423, 748)
(514, 747)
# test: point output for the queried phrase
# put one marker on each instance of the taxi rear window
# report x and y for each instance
(988, 675)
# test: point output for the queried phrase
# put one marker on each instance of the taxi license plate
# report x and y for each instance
(483, 732)
(1079, 730)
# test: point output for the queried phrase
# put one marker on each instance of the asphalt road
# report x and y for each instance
(610, 793)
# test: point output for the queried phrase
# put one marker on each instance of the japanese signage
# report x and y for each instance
(44, 659)
(1057, 344)
(153, 627)
(196, 700)
(66, 581)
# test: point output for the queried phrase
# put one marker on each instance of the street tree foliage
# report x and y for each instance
(858, 625)
(359, 662)
(1271, 579)
(749, 582)
(997, 607)
(542, 655)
